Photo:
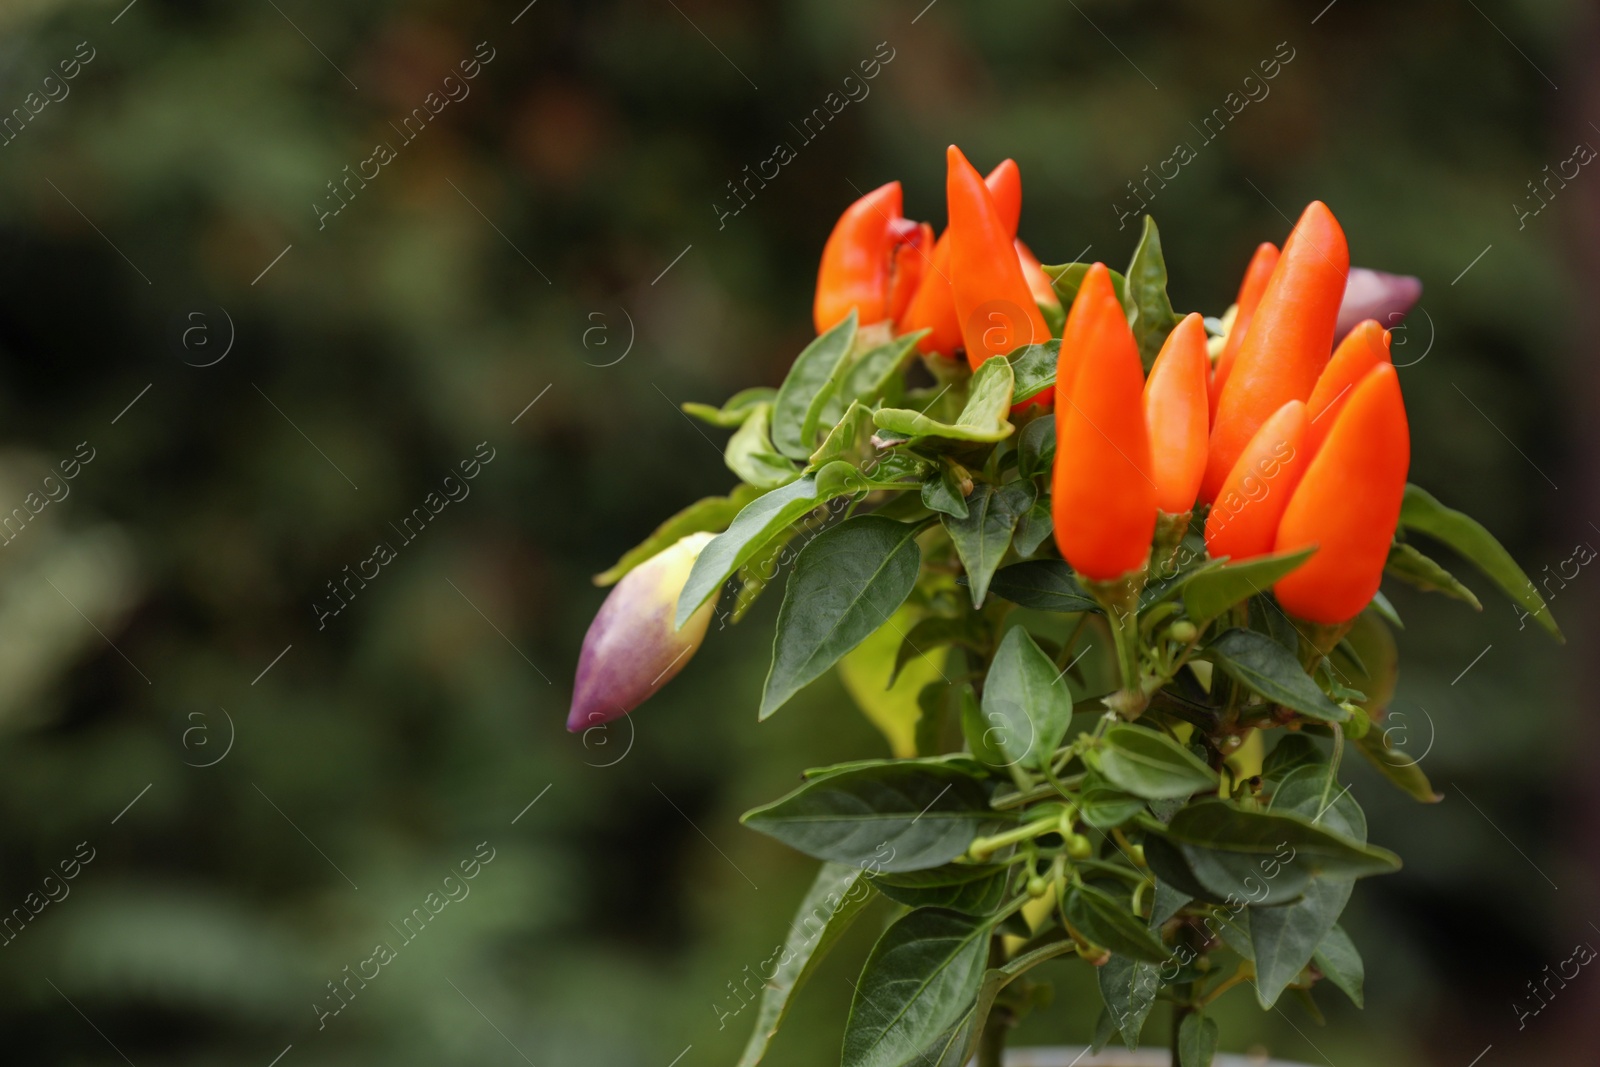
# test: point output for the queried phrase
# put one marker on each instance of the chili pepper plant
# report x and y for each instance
(1108, 578)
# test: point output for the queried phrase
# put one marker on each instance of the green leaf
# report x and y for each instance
(1266, 668)
(811, 383)
(982, 736)
(1044, 585)
(901, 815)
(869, 377)
(1400, 769)
(931, 633)
(1415, 569)
(1129, 989)
(1034, 528)
(994, 980)
(1285, 937)
(833, 902)
(982, 537)
(707, 514)
(1066, 278)
(972, 889)
(849, 440)
(760, 521)
(846, 584)
(1197, 1034)
(1340, 962)
(1036, 447)
(917, 983)
(1219, 826)
(1102, 805)
(750, 454)
(1027, 699)
(1150, 313)
(1421, 512)
(735, 411)
(1213, 591)
(1152, 765)
(1292, 751)
(1108, 922)
(1034, 369)
(941, 493)
(1381, 605)
(984, 418)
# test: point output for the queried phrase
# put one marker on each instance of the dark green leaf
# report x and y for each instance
(941, 493)
(1109, 923)
(1266, 668)
(977, 889)
(1421, 512)
(759, 522)
(1171, 868)
(1150, 313)
(1036, 447)
(812, 380)
(832, 903)
(1313, 791)
(902, 815)
(1340, 962)
(1415, 569)
(709, 513)
(1066, 278)
(1291, 751)
(1273, 838)
(1026, 700)
(845, 584)
(1152, 765)
(1285, 937)
(1381, 605)
(1043, 584)
(1197, 1034)
(1034, 369)
(849, 440)
(933, 632)
(982, 537)
(982, 736)
(1102, 805)
(1033, 529)
(1212, 591)
(1166, 903)
(868, 378)
(751, 456)
(916, 985)
(983, 419)
(1394, 765)
(1129, 988)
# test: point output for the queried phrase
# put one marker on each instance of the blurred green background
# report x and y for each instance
(554, 237)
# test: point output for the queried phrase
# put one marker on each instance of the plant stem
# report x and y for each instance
(992, 1046)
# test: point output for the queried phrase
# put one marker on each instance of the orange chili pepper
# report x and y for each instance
(1103, 500)
(872, 262)
(996, 309)
(1244, 518)
(1348, 504)
(934, 305)
(1039, 284)
(1256, 276)
(1363, 348)
(1289, 340)
(1175, 411)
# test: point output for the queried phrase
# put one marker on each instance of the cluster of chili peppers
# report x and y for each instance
(1291, 442)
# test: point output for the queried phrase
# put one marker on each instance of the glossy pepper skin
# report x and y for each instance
(934, 306)
(1363, 348)
(1103, 500)
(1289, 340)
(1256, 276)
(873, 261)
(1245, 516)
(1348, 504)
(1175, 410)
(995, 306)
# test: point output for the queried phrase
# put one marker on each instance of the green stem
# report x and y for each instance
(984, 846)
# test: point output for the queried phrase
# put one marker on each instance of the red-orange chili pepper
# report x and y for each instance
(1244, 518)
(1256, 276)
(1039, 284)
(1103, 500)
(873, 261)
(1363, 348)
(997, 311)
(1175, 411)
(1348, 504)
(934, 305)
(1289, 340)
